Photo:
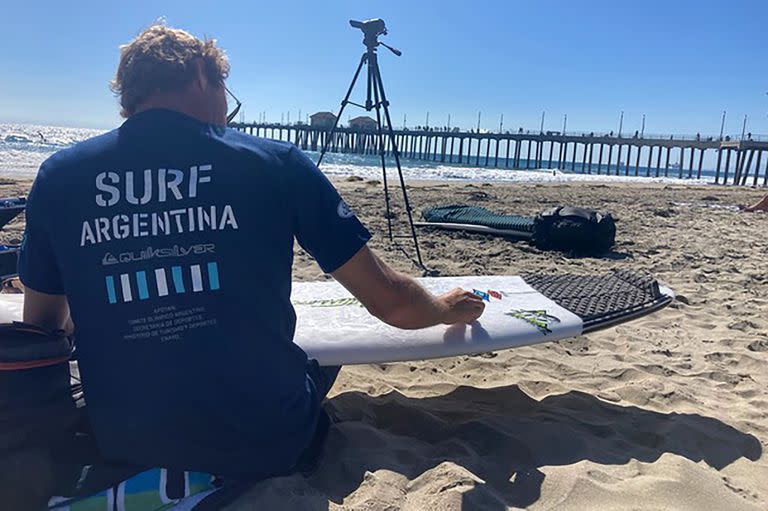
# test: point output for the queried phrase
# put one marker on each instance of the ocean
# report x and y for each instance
(23, 147)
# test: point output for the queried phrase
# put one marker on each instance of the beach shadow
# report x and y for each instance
(457, 333)
(503, 436)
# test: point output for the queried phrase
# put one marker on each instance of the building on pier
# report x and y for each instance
(322, 120)
(363, 123)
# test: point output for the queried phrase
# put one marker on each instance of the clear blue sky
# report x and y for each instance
(679, 62)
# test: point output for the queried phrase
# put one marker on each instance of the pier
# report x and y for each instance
(739, 161)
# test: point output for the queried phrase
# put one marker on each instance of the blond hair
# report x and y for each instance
(164, 59)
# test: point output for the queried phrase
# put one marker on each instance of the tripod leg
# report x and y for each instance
(372, 84)
(344, 102)
(377, 74)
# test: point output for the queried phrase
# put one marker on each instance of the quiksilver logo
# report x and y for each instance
(150, 253)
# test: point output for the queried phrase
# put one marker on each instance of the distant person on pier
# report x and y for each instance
(762, 205)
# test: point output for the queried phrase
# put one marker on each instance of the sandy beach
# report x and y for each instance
(666, 412)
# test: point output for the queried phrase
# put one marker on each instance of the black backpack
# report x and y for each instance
(38, 412)
(578, 231)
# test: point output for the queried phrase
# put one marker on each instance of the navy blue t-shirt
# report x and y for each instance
(173, 242)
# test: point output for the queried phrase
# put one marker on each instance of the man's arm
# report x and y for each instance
(399, 300)
(327, 229)
(49, 312)
(45, 305)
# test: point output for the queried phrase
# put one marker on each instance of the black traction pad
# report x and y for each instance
(602, 300)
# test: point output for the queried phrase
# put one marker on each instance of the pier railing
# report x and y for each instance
(739, 161)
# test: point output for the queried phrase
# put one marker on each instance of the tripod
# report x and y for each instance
(376, 99)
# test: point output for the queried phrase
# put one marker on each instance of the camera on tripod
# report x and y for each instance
(376, 99)
(371, 28)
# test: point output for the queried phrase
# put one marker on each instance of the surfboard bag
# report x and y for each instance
(522, 226)
(576, 230)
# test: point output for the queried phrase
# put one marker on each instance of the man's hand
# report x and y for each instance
(461, 306)
(399, 300)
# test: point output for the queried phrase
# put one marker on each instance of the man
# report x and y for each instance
(169, 241)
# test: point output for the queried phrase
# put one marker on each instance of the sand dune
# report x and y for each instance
(667, 412)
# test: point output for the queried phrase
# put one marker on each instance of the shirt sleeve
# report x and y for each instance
(325, 225)
(37, 265)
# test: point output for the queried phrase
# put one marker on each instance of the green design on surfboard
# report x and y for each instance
(330, 302)
(538, 318)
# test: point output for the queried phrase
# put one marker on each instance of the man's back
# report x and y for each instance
(173, 242)
(170, 243)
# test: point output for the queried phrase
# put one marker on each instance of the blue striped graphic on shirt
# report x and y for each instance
(141, 281)
(111, 293)
(143, 284)
(178, 280)
(213, 275)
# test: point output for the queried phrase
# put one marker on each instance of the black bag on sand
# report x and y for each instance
(37, 412)
(579, 231)
(36, 403)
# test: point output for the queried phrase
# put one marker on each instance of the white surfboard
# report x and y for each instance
(11, 306)
(334, 328)
(480, 229)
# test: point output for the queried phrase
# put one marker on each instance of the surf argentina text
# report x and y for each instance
(159, 186)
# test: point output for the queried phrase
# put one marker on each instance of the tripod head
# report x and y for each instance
(372, 29)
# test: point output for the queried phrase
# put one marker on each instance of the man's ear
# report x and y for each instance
(201, 79)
